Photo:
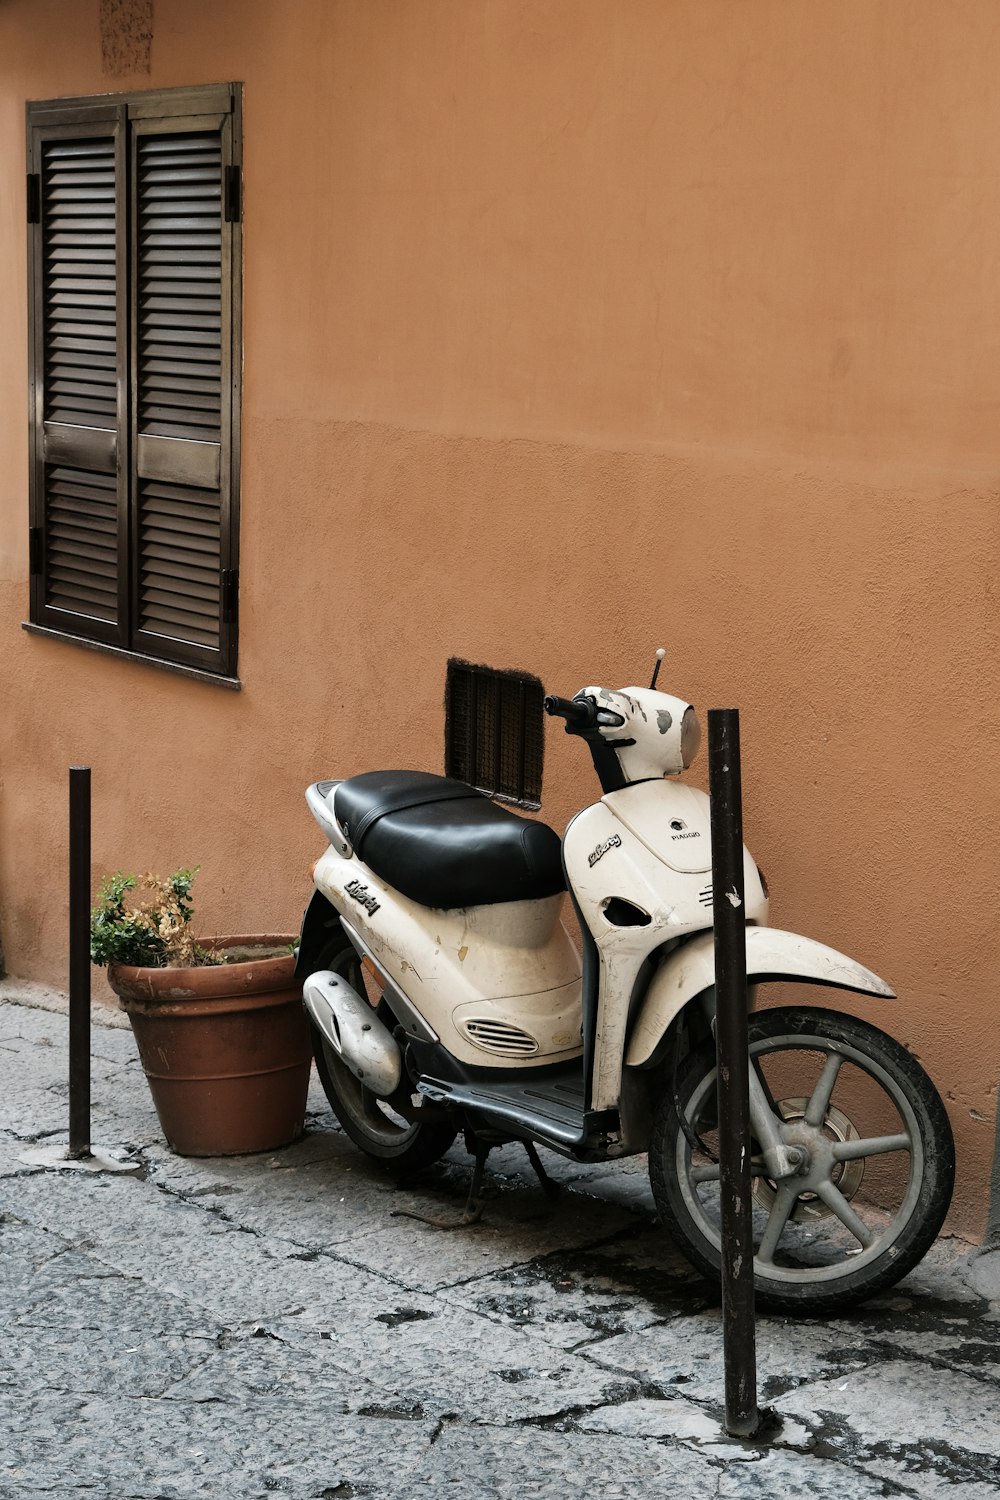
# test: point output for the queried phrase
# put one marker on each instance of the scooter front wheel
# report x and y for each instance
(373, 1123)
(878, 1161)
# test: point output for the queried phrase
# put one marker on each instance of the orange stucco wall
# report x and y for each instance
(572, 329)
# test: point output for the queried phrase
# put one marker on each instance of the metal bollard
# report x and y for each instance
(79, 961)
(81, 1152)
(738, 1323)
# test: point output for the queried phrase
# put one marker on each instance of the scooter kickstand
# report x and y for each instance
(474, 1203)
(549, 1188)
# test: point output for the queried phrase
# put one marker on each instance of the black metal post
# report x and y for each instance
(79, 961)
(738, 1325)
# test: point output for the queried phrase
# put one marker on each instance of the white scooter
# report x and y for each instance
(445, 994)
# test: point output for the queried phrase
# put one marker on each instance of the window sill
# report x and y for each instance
(233, 683)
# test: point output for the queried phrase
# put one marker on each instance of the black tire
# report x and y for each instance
(372, 1123)
(815, 1262)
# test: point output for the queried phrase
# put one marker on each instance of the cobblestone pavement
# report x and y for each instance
(264, 1326)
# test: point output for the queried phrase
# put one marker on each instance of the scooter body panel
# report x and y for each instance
(662, 878)
(499, 984)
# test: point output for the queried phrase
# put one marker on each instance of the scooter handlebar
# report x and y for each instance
(579, 713)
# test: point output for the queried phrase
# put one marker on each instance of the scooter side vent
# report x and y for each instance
(499, 1037)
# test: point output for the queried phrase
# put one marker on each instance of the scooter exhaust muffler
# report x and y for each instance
(354, 1031)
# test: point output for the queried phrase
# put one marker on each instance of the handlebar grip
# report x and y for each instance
(579, 713)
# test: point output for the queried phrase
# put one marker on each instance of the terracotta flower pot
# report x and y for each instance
(225, 1047)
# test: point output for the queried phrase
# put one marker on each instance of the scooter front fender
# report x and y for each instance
(771, 955)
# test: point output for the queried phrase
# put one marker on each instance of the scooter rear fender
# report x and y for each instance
(319, 926)
(771, 955)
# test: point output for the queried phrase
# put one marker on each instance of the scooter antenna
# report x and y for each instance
(660, 654)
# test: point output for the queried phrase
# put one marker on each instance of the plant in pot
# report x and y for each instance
(219, 1024)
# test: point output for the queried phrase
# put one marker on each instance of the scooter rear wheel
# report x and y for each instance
(372, 1123)
(878, 1161)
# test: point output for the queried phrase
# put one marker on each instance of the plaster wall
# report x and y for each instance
(572, 330)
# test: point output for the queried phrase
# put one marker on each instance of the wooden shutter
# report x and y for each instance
(182, 378)
(135, 371)
(77, 357)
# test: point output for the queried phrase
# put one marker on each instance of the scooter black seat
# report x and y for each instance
(445, 844)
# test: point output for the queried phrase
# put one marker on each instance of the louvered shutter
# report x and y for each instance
(135, 371)
(493, 731)
(78, 353)
(182, 252)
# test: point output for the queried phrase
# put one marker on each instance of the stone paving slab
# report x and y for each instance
(920, 1448)
(569, 1311)
(687, 1353)
(490, 1464)
(784, 1476)
(147, 1364)
(519, 1227)
(264, 1326)
(188, 1251)
(172, 1450)
(27, 994)
(324, 1194)
(443, 1363)
(34, 1100)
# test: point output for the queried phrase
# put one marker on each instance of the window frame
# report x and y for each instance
(213, 106)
